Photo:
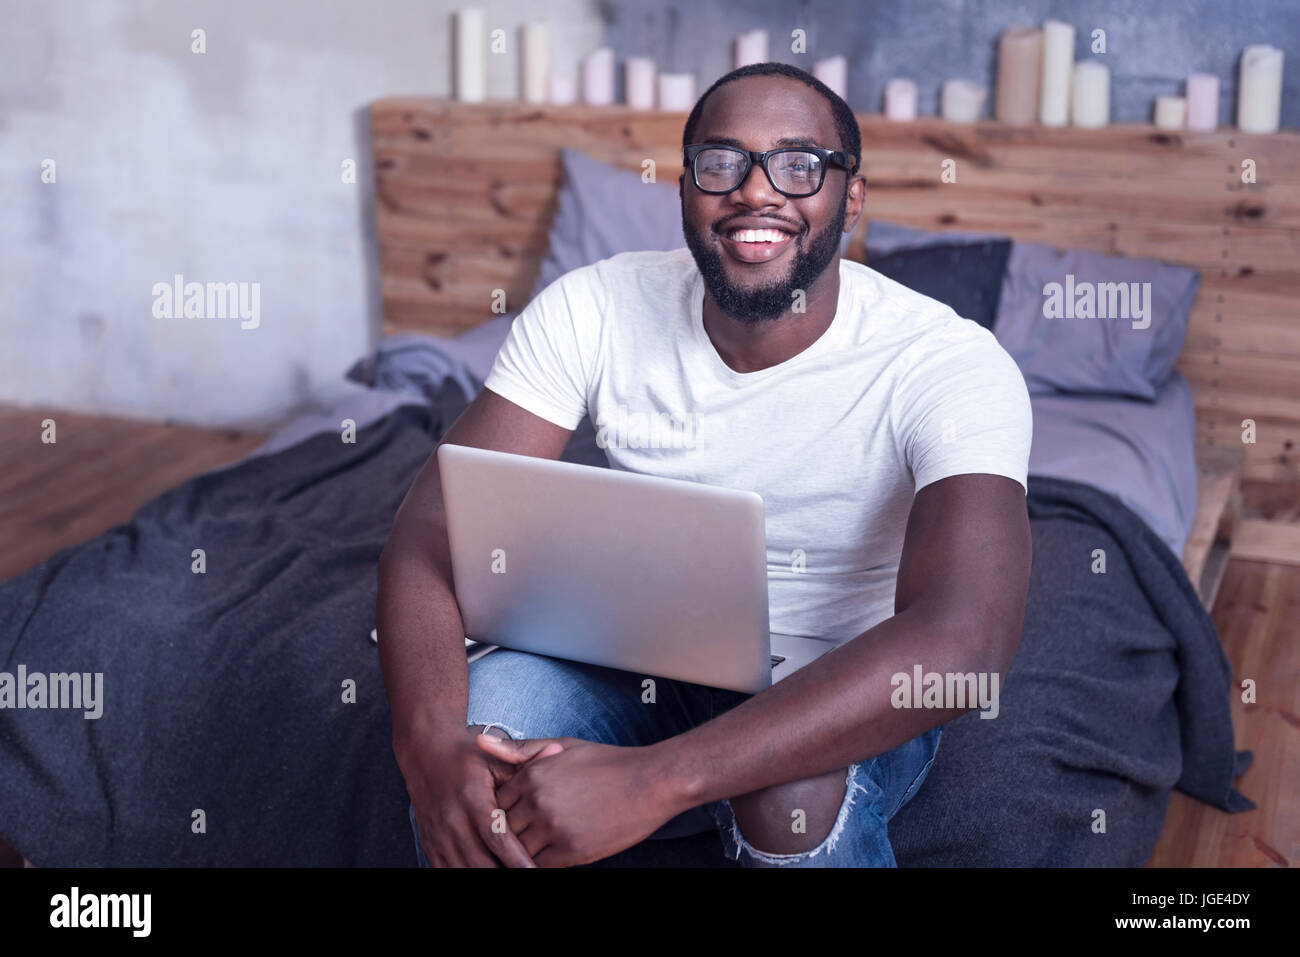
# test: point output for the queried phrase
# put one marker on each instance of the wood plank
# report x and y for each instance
(1256, 615)
(1264, 541)
(96, 475)
(1218, 477)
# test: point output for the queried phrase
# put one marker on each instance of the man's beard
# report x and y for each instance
(766, 302)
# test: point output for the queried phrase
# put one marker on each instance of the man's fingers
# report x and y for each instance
(518, 752)
(534, 840)
(473, 851)
(504, 843)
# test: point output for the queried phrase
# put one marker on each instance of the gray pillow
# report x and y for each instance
(1126, 348)
(1076, 355)
(604, 210)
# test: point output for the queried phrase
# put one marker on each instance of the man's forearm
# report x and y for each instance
(831, 713)
(421, 652)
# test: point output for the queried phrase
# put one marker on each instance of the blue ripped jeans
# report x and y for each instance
(533, 696)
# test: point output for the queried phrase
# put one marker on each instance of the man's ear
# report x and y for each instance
(854, 201)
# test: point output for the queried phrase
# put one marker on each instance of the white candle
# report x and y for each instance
(834, 72)
(1259, 91)
(1058, 67)
(1090, 105)
(598, 78)
(1171, 112)
(639, 78)
(1203, 102)
(536, 67)
(751, 47)
(471, 55)
(961, 100)
(677, 92)
(900, 99)
(564, 88)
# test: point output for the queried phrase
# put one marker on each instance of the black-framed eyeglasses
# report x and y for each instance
(796, 171)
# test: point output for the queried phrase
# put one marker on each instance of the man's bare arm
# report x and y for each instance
(960, 603)
(422, 636)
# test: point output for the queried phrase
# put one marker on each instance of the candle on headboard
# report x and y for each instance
(1020, 65)
(834, 72)
(471, 55)
(961, 100)
(1203, 102)
(639, 81)
(536, 66)
(598, 78)
(1171, 112)
(751, 47)
(900, 99)
(676, 92)
(1090, 99)
(1259, 91)
(1058, 68)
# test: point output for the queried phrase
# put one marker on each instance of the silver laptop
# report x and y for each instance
(650, 575)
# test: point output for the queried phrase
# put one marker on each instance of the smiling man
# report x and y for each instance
(889, 439)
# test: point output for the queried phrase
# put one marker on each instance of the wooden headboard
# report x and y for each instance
(465, 194)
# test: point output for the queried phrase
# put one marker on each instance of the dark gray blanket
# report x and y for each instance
(224, 691)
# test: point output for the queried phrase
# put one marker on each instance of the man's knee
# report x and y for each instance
(791, 818)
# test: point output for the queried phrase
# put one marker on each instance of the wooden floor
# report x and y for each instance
(96, 474)
(101, 470)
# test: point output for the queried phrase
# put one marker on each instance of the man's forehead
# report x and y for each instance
(751, 114)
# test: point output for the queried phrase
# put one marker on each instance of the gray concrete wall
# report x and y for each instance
(224, 166)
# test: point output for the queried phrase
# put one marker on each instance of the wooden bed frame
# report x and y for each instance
(1126, 190)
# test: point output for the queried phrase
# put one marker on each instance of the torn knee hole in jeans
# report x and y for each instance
(851, 786)
(489, 725)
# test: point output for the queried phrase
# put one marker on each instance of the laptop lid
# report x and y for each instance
(631, 571)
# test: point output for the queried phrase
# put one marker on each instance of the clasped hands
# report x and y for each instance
(571, 801)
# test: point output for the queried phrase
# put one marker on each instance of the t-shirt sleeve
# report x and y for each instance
(962, 407)
(545, 365)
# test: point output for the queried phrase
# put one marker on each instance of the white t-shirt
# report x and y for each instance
(898, 392)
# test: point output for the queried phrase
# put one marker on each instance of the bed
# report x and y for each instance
(252, 692)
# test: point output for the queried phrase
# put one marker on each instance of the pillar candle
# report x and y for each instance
(834, 72)
(471, 55)
(1203, 102)
(535, 69)
(677, 92)
(751, 47)
(1058, 68)
(1020, 66)
(1259, 91)
(961, 100)
(1171, 112)
(598, 78)
(900, 99)
(564, 88)
(639, 79)
(1090, 104)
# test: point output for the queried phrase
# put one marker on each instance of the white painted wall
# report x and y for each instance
(222, 167)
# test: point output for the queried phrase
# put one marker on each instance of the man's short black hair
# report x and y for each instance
(846, 123)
